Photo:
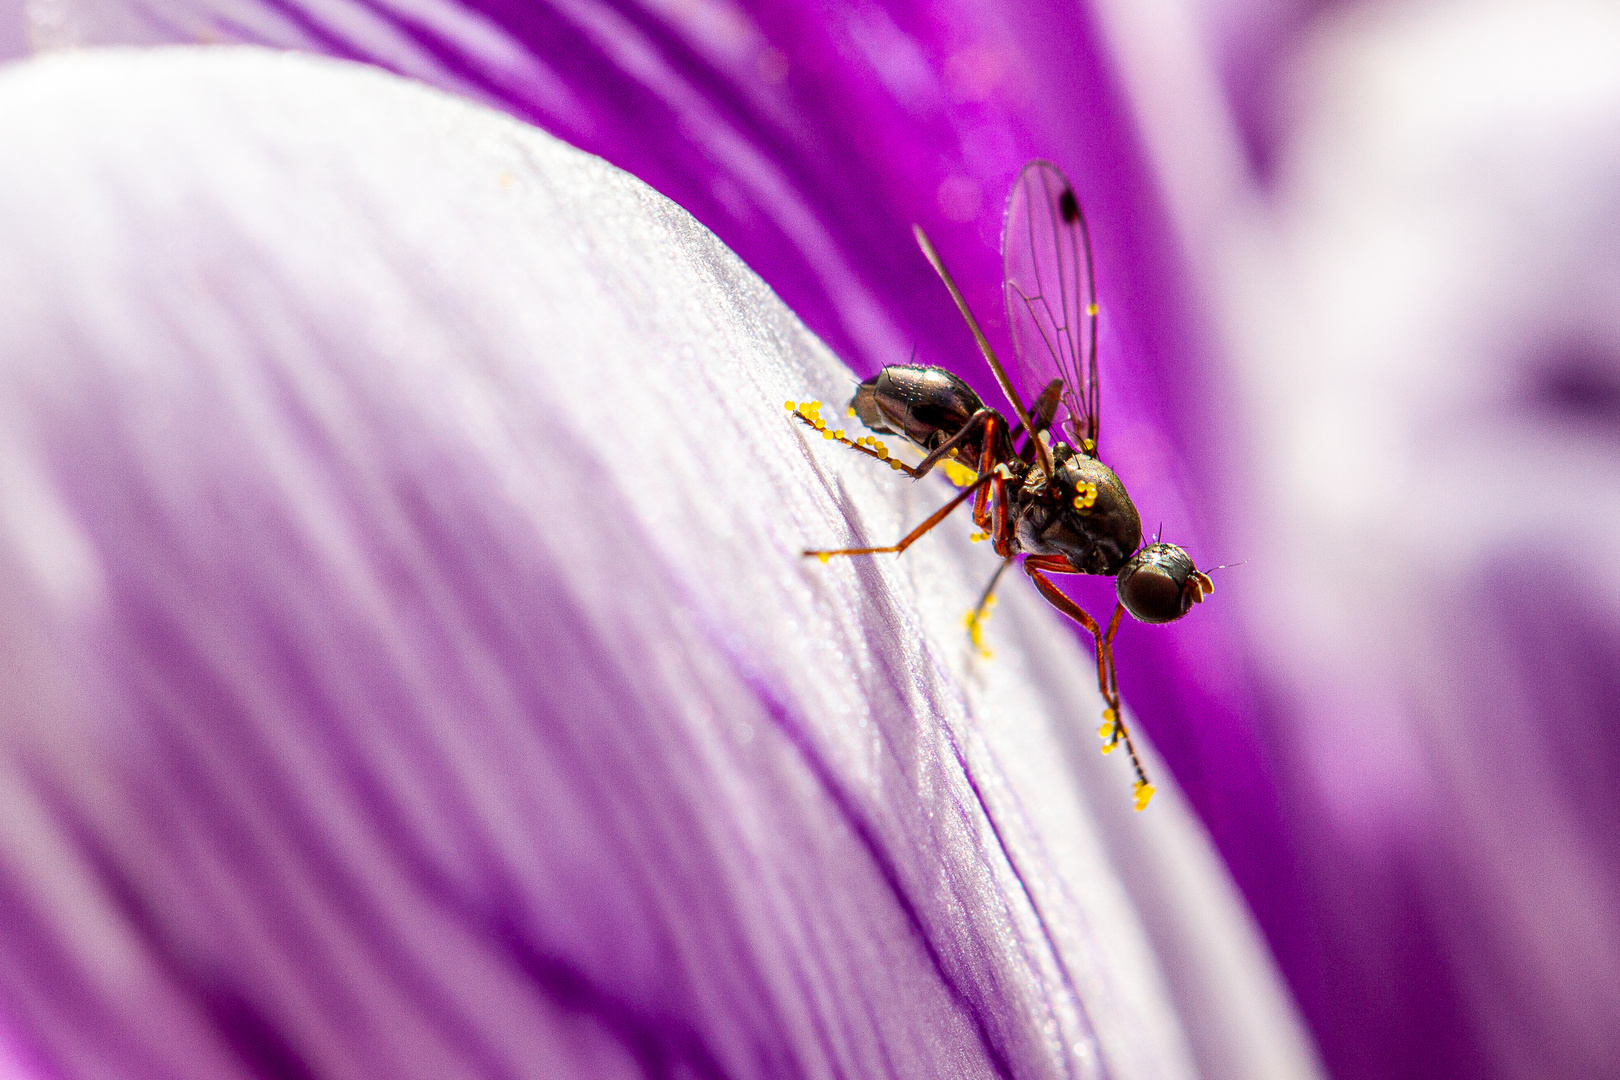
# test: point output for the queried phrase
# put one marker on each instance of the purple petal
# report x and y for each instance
(808, 140)
(411, 669)
(1442, 606)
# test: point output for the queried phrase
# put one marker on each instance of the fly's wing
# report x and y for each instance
(1052, 294)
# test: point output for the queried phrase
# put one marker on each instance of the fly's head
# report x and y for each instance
(1089, 517)
(1160, 584)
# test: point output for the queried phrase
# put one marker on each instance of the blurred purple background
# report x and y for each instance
(1360, 279)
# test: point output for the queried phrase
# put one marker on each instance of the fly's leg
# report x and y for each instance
(981, 611)
(809, 414)
(990, 513)
(911, 537)
(984, 418)
(1113, 728)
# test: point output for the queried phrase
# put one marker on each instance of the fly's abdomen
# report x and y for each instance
(925, 405)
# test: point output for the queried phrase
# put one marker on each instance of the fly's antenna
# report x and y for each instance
(1159, 532)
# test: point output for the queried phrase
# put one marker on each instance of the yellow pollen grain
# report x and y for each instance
(852, 410)
(1144, 792)
(1108, 747)
(1106, 730)
(823, 556)
(839, 434)
(895, 465)
(1091, 309)
(788, 405)
(1110, 715)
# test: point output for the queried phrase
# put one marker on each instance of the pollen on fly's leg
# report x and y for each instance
(981, 611)
(949, 462)
(809, 414)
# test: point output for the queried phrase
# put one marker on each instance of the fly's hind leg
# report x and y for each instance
(1113, 729)
(915, 534)
(808, 413)
(982, 421)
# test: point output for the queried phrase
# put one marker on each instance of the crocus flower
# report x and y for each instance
(809, 141)
(1347, 719)
(411, 669)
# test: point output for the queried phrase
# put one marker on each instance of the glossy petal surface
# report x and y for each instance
(412, 669)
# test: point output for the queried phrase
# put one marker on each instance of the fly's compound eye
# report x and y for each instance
(1160, 584)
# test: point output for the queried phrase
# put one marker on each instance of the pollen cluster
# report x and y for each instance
(1085, 496)
(810, 413)
(1111, 733)
(872, 441)
(959, 474)
(975, 626)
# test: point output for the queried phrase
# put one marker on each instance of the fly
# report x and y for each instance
(1040, 490)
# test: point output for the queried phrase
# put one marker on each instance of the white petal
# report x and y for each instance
(414, 671)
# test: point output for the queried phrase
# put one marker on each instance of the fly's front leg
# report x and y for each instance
(1113, 728)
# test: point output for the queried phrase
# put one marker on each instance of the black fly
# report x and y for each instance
(1038, 486)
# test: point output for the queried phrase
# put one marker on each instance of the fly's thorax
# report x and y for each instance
(1160, 584)
(1082, 512)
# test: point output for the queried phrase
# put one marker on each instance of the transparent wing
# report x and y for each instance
(1052, 294)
